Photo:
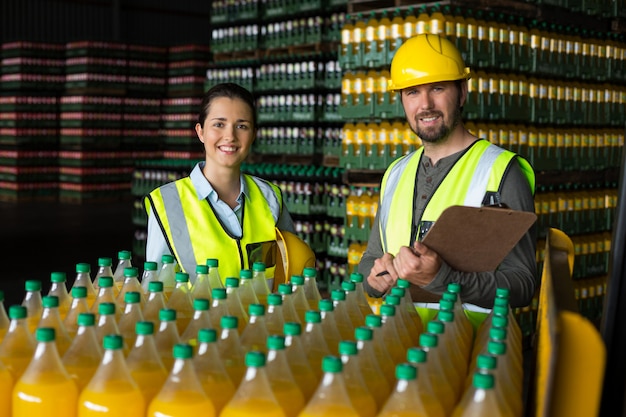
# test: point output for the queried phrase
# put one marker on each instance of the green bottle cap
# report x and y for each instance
(131, 271)
(292, 329)
(201, 304)
(429, 340)
(483, 380)
(229, 322)
(276, 342)
(356, 277)
(212, 263)
(106, 309)
(202, 269)
(309, 272)
(348, 347)
(503, 292)
(436, 327)
(297, 280)
(446, 305)
(274, 300)
(449, 296)
(83, 267)
(132, 297)
(256, 309)
(338, 295)
(181, 277)
(485, 361)
(207, 335)
(312, 316)
(50, 301)
(17, 312)
(124, 255)
(387, 310)
(325, 305)
(392, 300)
(232, 282)
(406, 371)
(167, 314)
(105, 282)
(258, 266)
(497, 333)
(501, 310)
(363, 333)
(454, 287)
(155, 286)
(398, 292)
(45, 334)
(86, 319)
(500, 321)
(245, 274)
(218, 293)
(255, 359)
(105, 261)
(285, 289)
(403, 283)
(348, 286)
(416, 355)
(58, 277)
(182, 351)
(496, 347)
(113, 342)
(32, 285)
(167, 259)
(373, 320)
(79, 292)
(144, 328)
(447, 316)
(150, 266)
(332, 364)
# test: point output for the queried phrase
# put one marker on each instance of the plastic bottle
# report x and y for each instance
(6, 391)
(167, 336)
(407, 303)
(331, 396)
(219, 306)
(58, 289)
(352, 307)
(131, 283)
(386, 361)
(45, 387)
(85, 353)
(254, 336)
(182, 393)
(18, 344)
(359, 294)
(210, 370)
(106, 322)
(130, 317)
(482, 399)
(369, 365)
(4, 318)
(329, 326)
(274, 317)
(289, 309)
(78, 305)
(313, 341)
(105, 269)
(144, 361)
(201, 287)
(282, 381)
(50, 317)
(300, 301)
(300, 366)
(32, 302)
(311, 290)
(150, 274)
(452, 328)
(155, 302)
(455, 289)
(181, 301)
(235, 306)
(230, 349)
(448, 347)
(112, 391)
(105, 295)
(497, 318)
(124, 260)
(441, 370)
(408, 332)
(215, 281)
(344, 323)
(254, 394)
(392, 319)
(246, 289)
(433, 384)
(259, 282)
(167, 274)
(505, 388)
(200, 320)
(359, 392)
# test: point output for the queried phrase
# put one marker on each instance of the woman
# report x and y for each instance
(217, 211)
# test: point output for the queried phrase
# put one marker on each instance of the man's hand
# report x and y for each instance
(383, 275)
(418, 265)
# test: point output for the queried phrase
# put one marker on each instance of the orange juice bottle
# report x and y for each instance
(369, 365)
(78, 305)
(106, 322)
(235, 306)
(85, 353)
(407, 302)
(200, 287)
(83, 279)
(124, 260)
(432, 379)
(155, 302)
(180, 300)
(45, 387)
(105, 269)
(112, 391)
(58, 289)
(144, 362)
(6, 391)
(449, 348)
(329, 325)
(50, 317)
(275, 318)
(481, 399)
(282, 381)
(392, 318)
(166, 336)
(394, 298)
(131, 315)
(182, 393)
(300, 302)
(289, 309)
(32, 302)
(408, 397)
(407, 311)
(200, 320)
(464, 347)
(386, 362)
(4, 318)
(131, 283)
(508, 395)
(342, 317)
(359, 392)
(455, 289)
(254, 394)
(352, 305)
(313, 341)
(259, 282)
(359, 294)
(150, 274)
(310, 285)
(254, 336)
(246, 289)
(230, 350)
(441, 369)
(331, 396)
(105, 295)
(211, 371)
(296, 358)
(18, 344)
(167, 274)
(215, 280)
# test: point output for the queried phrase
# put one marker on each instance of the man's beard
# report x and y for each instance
(440, 134)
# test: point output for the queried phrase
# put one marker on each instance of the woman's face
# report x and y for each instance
(227, 132)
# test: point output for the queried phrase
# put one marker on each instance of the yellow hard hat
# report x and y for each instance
(295, 255)
(426, 58)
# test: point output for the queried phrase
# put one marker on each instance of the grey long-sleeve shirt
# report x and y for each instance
(518, 271)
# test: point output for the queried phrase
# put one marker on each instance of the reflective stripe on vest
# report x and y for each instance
(195, 233)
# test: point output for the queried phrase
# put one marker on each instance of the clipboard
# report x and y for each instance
(477, 239)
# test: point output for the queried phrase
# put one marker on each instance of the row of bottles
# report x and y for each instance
(297, 76)
(223, 11)
(301, 107)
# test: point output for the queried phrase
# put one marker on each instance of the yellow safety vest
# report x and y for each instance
(194, 233)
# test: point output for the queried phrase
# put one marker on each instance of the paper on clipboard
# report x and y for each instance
(476, 239)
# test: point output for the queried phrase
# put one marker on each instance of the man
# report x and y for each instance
(431, 78)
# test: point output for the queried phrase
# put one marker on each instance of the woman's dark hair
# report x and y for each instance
(229, 90)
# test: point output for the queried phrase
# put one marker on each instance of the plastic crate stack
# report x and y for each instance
(31, 77)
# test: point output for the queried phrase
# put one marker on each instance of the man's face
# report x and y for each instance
(433, 110)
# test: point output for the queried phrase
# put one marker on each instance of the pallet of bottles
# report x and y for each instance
(32, 66)
(147, 69)
(186, 70)
(94, 67)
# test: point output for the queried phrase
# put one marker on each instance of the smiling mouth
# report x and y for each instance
(228, 148)
(428, 118)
